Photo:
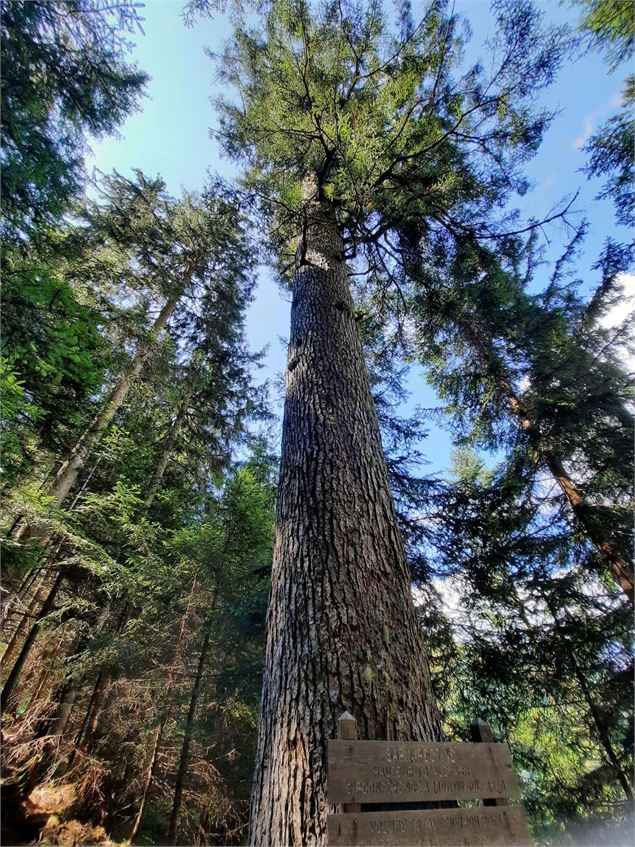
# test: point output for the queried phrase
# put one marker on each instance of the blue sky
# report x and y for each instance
(170, 137)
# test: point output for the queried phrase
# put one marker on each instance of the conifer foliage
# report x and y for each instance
(186, 614)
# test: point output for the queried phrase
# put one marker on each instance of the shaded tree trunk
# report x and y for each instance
(185, 748)
(22, 626)
(17, 598)
(158, 737)
(14, 675)
(595, 531)
(168, 450)
(342, 632)
(48, 658)
(66, 477)
(91, 716)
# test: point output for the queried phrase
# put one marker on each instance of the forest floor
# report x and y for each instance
(43, 820)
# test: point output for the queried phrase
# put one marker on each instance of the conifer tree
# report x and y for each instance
(543, 360)
(160, 249)
(541, 647)
(65, 76)
(335, 110)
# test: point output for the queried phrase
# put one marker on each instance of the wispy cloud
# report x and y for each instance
(589, 126)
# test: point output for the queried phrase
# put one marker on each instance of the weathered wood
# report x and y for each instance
(481, 732)
(476, 827)
(347, 731)
(402, 772)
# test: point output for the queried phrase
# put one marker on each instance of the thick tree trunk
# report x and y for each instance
(185, 748)
(342, 629)
(66, 476)
(168, 450)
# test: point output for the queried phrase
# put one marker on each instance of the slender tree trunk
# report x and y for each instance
(66, 476)
(342, 632)
(595, 531)
(185, 748)
(91, 716)
(598, 721)
(23, 624)
(168, 450)
(17, 598)
(14, 675)
(45, 675)
(154, 756)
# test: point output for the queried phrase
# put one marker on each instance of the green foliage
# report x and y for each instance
(610, 24)
(64, 76)
(610, 27)
(382, 119)
(611, 155)
(538, 648)
(52, 343)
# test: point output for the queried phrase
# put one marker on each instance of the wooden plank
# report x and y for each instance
(481, 731)
(347, 730)
(404, 771)
(499, 826)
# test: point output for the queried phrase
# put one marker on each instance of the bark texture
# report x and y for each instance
(342, 630)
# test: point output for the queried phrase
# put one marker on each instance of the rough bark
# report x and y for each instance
(185, 747)
(342, 632)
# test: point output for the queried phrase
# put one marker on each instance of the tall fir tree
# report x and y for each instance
(334, 110)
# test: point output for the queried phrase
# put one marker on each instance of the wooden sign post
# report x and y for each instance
(394, 773)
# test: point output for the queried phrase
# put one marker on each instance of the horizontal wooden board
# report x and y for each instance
(396, 771)
(491, 826)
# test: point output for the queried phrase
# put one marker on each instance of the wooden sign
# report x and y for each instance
(401, 772)
(392, 773)
(492, 826)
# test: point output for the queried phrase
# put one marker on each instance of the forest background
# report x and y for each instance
(134, 628)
